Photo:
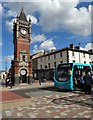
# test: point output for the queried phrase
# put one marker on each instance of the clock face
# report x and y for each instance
(23, 31)
(23, 72)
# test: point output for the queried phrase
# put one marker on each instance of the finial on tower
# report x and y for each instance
(22, 5)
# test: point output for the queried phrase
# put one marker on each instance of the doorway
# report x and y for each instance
(23, 75)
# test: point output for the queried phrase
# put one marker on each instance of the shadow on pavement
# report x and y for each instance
(79, 99)
(52, 88)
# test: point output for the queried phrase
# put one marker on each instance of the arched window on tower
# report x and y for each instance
(23, 57)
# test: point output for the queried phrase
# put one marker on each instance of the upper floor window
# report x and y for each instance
(84, 55)
(54, 55)
(61, 54)
(89, 56)
(84, 61)
(48, 57)
(73, 53)
(41, 59)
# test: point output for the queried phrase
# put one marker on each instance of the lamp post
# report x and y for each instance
(6, 65)
(79, 52)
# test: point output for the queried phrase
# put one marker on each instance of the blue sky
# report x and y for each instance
(55, 25)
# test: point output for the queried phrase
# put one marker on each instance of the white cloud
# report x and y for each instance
(38, 38)
(9, 25)
(1, 9)
(10, 13)
(57, 14)
(89, 46)
(33, 19)
(46, 45)
(36, 49)
(1, 44)
(8, 58)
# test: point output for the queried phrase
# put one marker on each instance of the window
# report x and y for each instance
(61, 54)
(72, 53)
(23, 57)
(61, 61)
(49, 65)
(89, 56)
(84, 61)
(40, 66)
(48, 57)
(84, 55)
(41, 59)
(73, 60)
(55, 64)
(54, 55)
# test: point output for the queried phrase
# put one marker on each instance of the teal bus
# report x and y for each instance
(67, 75)
(92, 66)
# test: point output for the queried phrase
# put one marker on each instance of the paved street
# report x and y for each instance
(44, 101)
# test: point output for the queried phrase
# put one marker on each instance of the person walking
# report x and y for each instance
(82, 83)
(88, 81)
(92, 76)
(8, 81)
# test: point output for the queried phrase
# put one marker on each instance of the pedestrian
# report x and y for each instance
(88, 81)
(82, 82)
(8, 81)
(92, 76)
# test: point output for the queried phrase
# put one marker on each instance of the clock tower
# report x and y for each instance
(21, 65)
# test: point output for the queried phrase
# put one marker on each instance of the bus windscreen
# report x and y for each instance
(63, 72)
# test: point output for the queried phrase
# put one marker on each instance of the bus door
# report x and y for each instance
(78, 69)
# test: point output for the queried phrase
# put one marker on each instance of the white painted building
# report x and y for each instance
(69, 54)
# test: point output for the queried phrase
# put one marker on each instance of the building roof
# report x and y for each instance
(2, 71)
(22, 16)
(67, 48)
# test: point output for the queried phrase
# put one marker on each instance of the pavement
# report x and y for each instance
(68, 105)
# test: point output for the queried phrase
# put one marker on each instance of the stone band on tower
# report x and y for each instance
(21, 65)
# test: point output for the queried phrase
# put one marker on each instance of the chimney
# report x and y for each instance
(91, 50)
(52, 50)
(72, 46)
(77, 47)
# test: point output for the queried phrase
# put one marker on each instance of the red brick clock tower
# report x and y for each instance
(21, 65)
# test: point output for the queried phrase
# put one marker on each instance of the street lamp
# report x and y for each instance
(6, 66)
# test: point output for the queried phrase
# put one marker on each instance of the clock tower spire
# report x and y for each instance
(21, 65)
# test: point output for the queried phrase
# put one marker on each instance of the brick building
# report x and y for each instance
(21, 69)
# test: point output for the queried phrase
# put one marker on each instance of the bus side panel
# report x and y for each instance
(71, 83)
(63, 85)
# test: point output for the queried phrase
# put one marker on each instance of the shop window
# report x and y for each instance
(55, 64)
(49, 65)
